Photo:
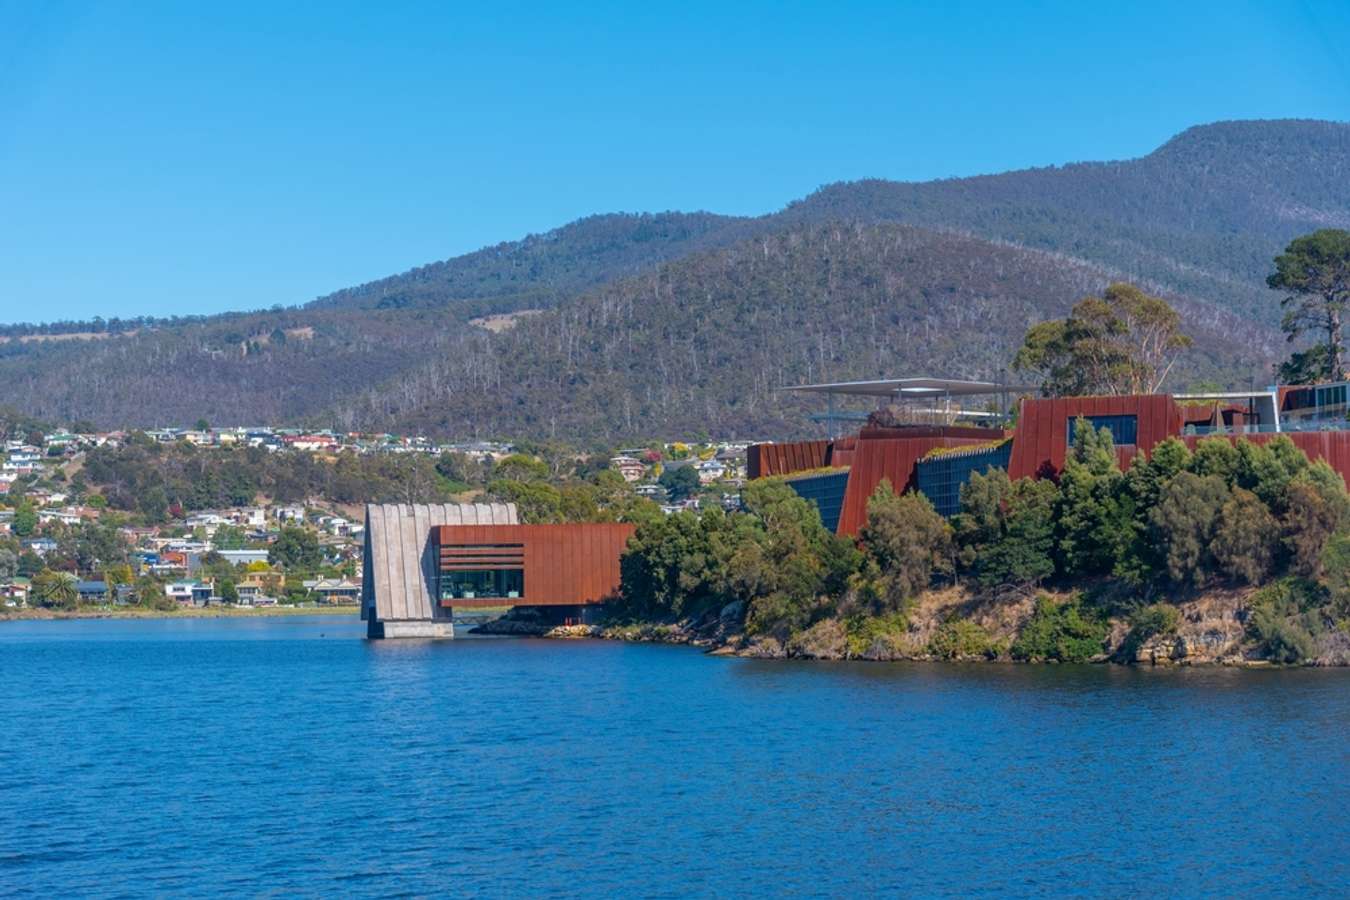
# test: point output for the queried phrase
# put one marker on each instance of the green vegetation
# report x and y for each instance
(664, 324)
(1124, 544)
(1067, 632)
(1124, 342)
(1147, 623)
(1314, 270)
(963, 639)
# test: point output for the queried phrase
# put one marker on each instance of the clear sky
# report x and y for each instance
(161, 158)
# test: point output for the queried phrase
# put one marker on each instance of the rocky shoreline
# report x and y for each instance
(1211, 631)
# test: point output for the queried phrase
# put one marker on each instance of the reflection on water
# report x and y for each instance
(290, 755)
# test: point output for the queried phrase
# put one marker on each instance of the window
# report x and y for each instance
(1124, 429)
(470, 584)
(472, 571)
(1331, 395)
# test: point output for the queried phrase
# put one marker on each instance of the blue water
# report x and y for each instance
(290, 756)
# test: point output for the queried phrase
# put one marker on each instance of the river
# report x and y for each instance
(291, 756)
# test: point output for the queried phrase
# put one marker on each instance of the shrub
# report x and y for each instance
(1246, 537)
(1310, 518)
(1147, 623)
(863, 632)
(962, 639)
(1006, 530)
(1184, 521)
(1336, 573)
(908, 540)
(1064, 632)
(1285, 618)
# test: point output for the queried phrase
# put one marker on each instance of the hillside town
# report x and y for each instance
(63, 546)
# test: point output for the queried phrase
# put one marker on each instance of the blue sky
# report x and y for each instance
(193, 158)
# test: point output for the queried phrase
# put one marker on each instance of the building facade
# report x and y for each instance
(424, 562)
(840, 475)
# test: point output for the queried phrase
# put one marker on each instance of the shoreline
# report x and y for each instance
(1211, 629)
(680, 634)
(209, 612)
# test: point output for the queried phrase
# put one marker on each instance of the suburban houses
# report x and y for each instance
(53, 529)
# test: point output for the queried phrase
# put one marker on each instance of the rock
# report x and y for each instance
(763, 648)
(827, 639)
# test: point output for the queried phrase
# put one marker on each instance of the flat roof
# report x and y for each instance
(914, 388)
(1226, 395)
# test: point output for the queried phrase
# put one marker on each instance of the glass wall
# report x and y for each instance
(940, 477)
(472, 584)
(1124, 429)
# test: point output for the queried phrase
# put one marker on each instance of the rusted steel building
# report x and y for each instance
(422, 562)
(573, 565)
(938, 459)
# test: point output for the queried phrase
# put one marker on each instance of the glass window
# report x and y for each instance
(499, 583)
(1124, 429)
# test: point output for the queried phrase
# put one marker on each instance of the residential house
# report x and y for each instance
(40, 545)
(711, 470)
(257, 586)
(92, 591)
(64, 516)
(249, 517)
(630, 468)
(189, 593)
(289, 513)
(14, 592)
(243, 557)
(336, 591)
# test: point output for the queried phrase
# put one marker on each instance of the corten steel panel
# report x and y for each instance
(565, 565)
(893, 459)
(763, 460)
(1040, 443)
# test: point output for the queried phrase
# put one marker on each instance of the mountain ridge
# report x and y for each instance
(1197, 219)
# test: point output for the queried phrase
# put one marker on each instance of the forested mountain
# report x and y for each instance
(669, 323)
(1203, 214)
(701, 343)
(542, 269)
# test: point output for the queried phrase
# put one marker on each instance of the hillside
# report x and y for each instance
(542, 269)
(669, 323)
(1202, 215)
(701, 343)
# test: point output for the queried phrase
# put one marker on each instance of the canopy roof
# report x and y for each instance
(911, 388)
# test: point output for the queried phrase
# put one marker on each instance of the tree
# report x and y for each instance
(297, 549)
(202, 425)
(228, 592)
(1336, 573)
(908, 541)
(1246, 538)
(1124, 342)
(55, 589)
(1315, 271)
(9, 563)
(1006, 529)
(1310, 518)
(1094, 526)
(1310, 366)
(680, 483)
(1184, 523)
(25, 520)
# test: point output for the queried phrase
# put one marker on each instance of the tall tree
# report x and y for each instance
(1123, 342)
(1315, 271)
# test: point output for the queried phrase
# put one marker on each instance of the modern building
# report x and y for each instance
(943, 446)
(424, 562)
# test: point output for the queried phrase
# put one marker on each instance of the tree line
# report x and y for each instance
(1130, 543)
